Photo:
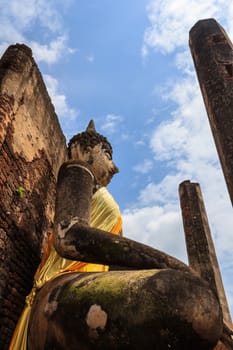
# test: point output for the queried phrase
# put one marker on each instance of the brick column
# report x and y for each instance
(212, 53)
(200, 246)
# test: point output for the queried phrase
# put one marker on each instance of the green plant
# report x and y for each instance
(20, 191)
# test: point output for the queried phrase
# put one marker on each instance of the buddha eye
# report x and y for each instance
(108, 154)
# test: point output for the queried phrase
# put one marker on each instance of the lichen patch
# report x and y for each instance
(96, 317)
(50, 308)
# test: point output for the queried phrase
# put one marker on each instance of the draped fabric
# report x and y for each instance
(105, 215)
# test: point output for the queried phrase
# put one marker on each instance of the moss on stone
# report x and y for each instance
(117, 292)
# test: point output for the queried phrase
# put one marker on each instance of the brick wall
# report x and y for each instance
(32, 147)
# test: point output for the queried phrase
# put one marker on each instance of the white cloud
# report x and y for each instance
(144, 51)
(165, 192)
(183, 61)
(111, 123)
(144, 167)
(169, 136)
(228, 14)
(90, 58)
(159, 227)
(64, 112)
(3, 46)
(187, 134)
(51, 52)
(10, 33)
(18, 19)
(185, 143)
(25, 13)
(170, 22)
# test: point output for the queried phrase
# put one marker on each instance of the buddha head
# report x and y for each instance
(94, 149)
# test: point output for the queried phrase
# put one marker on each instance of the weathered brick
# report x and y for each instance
(212, 53)
(29, 158)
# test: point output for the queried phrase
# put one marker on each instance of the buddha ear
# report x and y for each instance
(88, 149)
(91, 126)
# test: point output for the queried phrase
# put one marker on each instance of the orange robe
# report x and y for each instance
(105, 215)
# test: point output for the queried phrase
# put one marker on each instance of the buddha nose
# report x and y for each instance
(114, 169)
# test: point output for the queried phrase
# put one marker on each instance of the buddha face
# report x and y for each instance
(99, 160)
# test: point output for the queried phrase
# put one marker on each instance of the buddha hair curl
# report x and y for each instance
(89, 138)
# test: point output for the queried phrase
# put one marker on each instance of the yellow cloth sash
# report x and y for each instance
(105, 215)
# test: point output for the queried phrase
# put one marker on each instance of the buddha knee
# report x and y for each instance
(156, 309)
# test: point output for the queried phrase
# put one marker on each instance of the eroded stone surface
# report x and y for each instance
(29, 161)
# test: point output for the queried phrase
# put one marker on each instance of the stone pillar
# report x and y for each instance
(212, 53)
(32, 147)
(200, 246)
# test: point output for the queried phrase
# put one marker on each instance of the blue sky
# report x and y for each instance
(127, 64)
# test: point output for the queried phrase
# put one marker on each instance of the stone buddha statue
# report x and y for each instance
(95, 289)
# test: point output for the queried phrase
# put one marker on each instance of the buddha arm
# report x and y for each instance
(75, 239)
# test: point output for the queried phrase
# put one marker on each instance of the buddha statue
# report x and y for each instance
(96, 289)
